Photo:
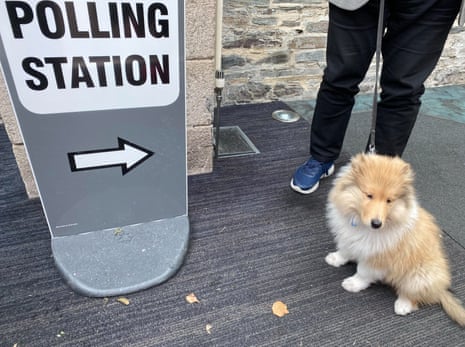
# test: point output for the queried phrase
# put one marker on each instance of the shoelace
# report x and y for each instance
(312, 167)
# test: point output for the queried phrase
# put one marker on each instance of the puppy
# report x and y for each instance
(377, 222)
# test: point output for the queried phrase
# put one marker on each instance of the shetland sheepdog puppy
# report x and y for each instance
(377, 222)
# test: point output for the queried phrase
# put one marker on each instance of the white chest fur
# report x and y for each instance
(357, 241)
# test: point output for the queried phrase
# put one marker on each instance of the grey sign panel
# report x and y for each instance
(99, 92)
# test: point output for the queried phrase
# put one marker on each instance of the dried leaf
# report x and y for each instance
(208, 328)
(117, 231)
(192, 299)
(279, 309)
(123, 300)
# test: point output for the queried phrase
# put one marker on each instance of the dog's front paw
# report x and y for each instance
(404, 306)
(355, 284)
(335, 259)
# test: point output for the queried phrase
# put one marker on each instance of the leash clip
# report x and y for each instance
(371, 149)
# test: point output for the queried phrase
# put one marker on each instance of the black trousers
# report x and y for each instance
(416, 31)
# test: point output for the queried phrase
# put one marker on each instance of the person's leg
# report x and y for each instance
(351, 44)
(415, 36)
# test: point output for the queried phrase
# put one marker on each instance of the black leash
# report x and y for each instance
(379, 37)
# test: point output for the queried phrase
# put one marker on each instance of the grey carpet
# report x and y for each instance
(253, 241)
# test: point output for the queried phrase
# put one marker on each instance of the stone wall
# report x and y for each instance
(200, 72)
(275, 50)
(9, 121)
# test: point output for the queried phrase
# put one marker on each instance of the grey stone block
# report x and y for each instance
(25, 171)
(7, 114)
(199, 150)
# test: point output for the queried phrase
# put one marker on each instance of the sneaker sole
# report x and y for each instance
(315, 187)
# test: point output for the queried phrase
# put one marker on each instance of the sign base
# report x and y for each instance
(122, 260)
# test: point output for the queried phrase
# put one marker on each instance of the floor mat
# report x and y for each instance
(253, 242)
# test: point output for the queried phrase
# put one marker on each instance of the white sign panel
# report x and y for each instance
(119, 54)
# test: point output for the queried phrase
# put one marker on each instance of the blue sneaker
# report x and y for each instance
(307, 176)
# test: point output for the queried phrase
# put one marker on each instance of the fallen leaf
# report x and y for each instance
(123, 300)
(117, 231)
(208, 328)
(192, 299)
(279, 309)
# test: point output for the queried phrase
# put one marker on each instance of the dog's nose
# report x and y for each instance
(376, 223)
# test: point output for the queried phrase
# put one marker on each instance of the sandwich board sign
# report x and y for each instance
(98, 89)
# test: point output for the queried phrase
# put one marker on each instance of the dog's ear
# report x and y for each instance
(357, 162)
(407, 172)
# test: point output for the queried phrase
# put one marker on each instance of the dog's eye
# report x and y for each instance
(370, 196)
(388, 201)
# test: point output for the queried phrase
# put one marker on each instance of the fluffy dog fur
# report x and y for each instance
(377, 222)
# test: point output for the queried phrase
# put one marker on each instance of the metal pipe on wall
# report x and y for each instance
(219, 75)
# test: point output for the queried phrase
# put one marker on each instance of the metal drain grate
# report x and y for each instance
(234, 143)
